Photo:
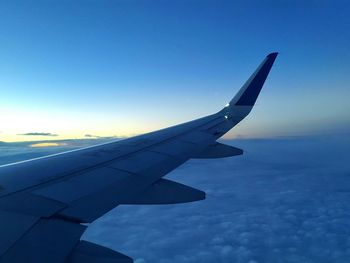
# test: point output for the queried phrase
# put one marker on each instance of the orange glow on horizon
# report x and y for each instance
(47, 144)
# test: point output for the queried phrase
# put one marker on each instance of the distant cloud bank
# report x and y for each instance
(91, 136)
(38, 134)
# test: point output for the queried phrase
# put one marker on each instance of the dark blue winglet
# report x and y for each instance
(256, 81)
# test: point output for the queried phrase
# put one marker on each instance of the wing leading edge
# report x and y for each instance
(44, 201)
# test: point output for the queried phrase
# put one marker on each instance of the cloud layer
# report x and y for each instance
(284, 200)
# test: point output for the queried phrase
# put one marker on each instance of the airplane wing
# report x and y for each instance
(45, 201)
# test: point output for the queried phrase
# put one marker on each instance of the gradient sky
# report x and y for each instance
(119, 68)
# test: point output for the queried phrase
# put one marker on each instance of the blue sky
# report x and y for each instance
(119, 68)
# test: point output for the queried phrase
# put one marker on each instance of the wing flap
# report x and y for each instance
(12, 227)
(76, 187)
(30, 204)
(49, 240)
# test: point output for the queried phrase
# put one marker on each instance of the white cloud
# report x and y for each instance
(284, 199)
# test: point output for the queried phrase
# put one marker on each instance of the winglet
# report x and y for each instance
(249, 92)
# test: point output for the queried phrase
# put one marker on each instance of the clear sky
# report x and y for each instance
(119, 68)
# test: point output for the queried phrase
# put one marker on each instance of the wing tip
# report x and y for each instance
(272, 55)
(250, 91)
